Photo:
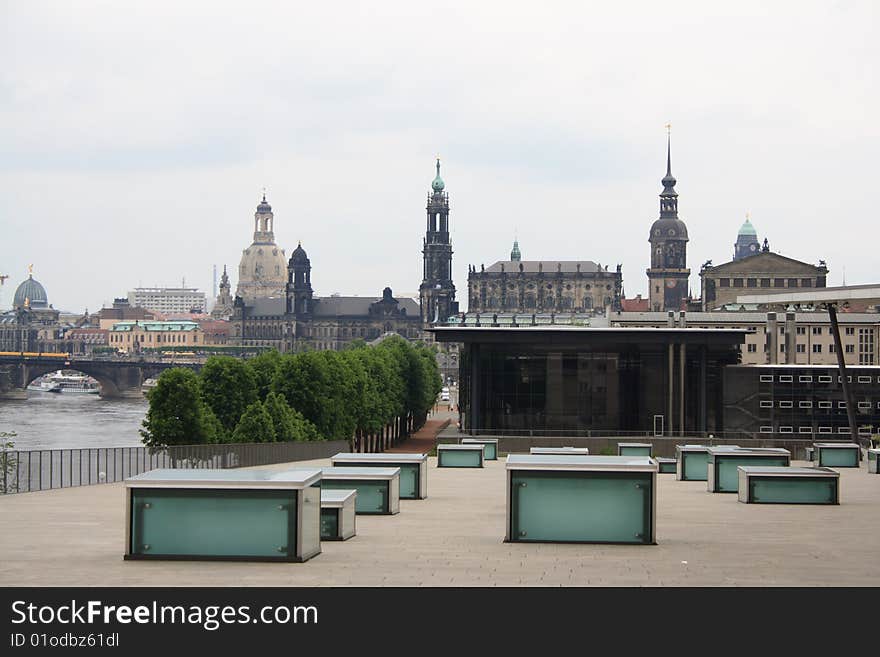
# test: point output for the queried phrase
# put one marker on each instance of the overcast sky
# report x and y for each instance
(137, 137)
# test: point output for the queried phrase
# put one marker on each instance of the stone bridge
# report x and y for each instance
(117, 378)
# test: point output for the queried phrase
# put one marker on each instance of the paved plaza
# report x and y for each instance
(75, 537)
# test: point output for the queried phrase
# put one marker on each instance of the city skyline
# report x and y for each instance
(145, 168)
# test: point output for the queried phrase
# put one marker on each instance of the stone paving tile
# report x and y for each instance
(455, 538)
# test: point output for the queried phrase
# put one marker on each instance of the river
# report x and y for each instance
(54, 421)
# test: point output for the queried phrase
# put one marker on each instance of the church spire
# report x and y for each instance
(669, 197)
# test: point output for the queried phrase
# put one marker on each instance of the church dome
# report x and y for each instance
(299, 255)
(31, 291)
(668, 228)
(747, 230)
(262, 271)
(438, 185)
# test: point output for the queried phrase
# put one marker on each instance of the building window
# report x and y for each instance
(786, 430)
(841, 404)
(765, 282)
(737, 282)
(805, 404)
(842, 429)
(801, 348)
(801, 330)
(825, 404)
(832, 349)
(850, 348)
(765, 403)
(817, 330)
(785, 378)
(765, 429)
(723, 282)
(752, 282)
(805, 430)
(864, 379)
(865, 405)
(778, 282)
(785, 403)
(805, 379)
(766, 378)
(792, 282)
(850, 330)
(817, 348)
(824, 429)
(752, 348)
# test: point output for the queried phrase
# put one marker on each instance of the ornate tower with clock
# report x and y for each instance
(668, 275)
(746, 241)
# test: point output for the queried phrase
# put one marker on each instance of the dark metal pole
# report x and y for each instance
(841, 368)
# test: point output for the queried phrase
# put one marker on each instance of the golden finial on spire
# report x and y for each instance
(30, 269)
(668, 127)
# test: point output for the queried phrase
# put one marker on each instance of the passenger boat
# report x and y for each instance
(72, 382)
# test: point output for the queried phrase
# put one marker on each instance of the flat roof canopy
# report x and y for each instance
(582, 335)
(870, 293)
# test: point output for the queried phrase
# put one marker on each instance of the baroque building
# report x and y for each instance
(262, 271)
(668, 275)
(535, 286)
(754, 268)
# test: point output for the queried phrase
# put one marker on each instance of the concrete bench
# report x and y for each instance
(554, 498)
(634, 449)
(786, 485)
(461, 456)
(692, 462)
(413, 469)
(837, 455)
(724, 460)
(873, 461)
(491, 451)
(666, 465)
(583, 451)
(338, 514)
(253, 514)
(378, 489)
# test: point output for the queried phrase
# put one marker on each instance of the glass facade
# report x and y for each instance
(838, 457)
(329, 524)
(612, 384)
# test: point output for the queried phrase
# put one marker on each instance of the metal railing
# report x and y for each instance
(23, 471)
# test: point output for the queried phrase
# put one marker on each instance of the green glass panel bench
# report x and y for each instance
(338, 514)
(461, 456)
(413, 469)
(787, 485)
(253, 514)
(581, 499)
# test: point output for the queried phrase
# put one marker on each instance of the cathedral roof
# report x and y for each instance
(547, 266)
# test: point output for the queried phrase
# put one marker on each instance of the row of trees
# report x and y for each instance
(371, 396)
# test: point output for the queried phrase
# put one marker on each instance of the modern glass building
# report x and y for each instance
(576, 379)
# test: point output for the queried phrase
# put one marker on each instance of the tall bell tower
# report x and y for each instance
(437, 292)
(668, 275)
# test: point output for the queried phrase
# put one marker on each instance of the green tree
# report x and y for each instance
(8, 463)
(302, 380)
(255, 425)
(229, 386)
(177, 414)
(264, 367)
(289, 424)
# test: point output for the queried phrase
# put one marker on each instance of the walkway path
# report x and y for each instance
(424, 440)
